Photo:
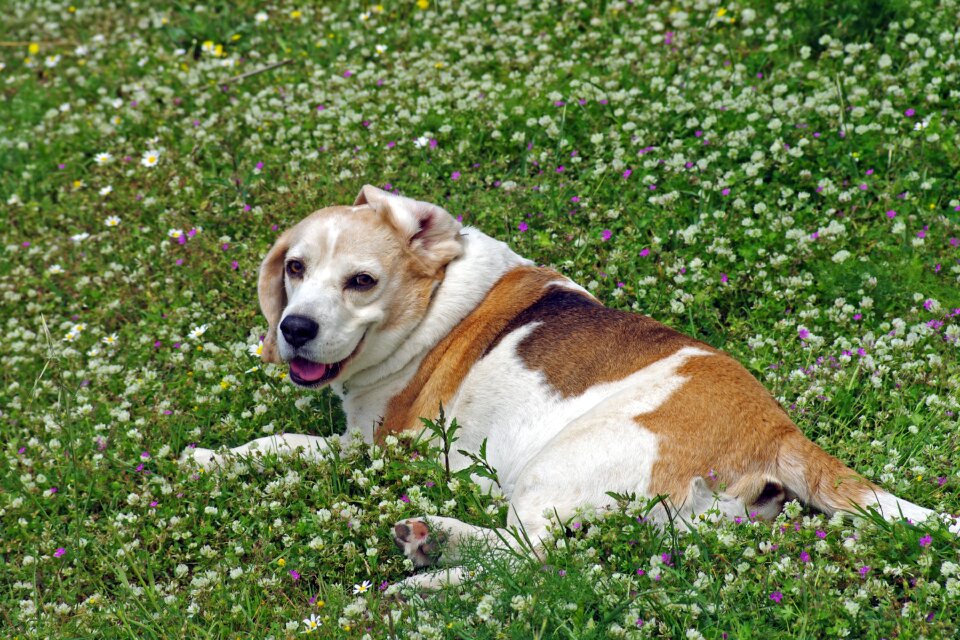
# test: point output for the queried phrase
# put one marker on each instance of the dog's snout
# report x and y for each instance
(298, 330)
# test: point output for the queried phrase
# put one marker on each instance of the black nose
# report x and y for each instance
(298, 330)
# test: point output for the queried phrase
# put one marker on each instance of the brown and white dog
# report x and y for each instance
(399, 309)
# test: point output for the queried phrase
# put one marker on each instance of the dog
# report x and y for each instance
(399, 309)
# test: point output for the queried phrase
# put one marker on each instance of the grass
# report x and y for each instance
(778, 182)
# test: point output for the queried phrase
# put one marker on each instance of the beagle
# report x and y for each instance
(400, 310)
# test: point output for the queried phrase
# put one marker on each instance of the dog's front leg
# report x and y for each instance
(284, 444)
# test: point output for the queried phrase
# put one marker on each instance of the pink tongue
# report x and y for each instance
(306, 370)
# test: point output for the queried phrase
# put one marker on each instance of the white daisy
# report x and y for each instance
(312, 623)
(103, 158)
(80, 237)
(112, 221)
(110, 339)
(107, 190)
(196, 332)
(261, 17)
(175, 233)
(363, 587)
(55, 269)
(150, 158)
(421, 142)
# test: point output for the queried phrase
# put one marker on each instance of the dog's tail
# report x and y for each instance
(822, 481)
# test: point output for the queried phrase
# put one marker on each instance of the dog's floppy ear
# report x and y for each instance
(272, 294)
(433, 234)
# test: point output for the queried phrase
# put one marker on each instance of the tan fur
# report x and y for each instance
(723, 425)
(273, 297)
(444, 368)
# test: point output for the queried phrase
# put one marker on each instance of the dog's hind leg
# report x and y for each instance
(439, 540)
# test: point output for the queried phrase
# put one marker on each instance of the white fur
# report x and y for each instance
(893, 508)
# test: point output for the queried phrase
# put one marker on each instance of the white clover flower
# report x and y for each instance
(150, 158)
(840, 256)
(261, 17)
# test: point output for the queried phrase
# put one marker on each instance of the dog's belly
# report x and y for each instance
(528, 424)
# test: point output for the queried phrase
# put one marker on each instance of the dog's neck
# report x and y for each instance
(466, 282)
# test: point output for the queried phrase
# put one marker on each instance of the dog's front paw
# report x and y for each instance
(418, 542)
(206, 459)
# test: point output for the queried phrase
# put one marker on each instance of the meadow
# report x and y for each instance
(779, 180)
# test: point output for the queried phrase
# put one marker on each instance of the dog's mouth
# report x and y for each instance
(308, 373)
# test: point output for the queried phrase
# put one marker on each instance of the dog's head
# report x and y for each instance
(345, 286)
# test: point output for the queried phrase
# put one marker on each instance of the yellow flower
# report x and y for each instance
(296, 13)
(34, 48)
(281, 563)
(423, 4)
(721, 12)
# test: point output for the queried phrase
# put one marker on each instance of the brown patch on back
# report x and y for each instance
(444, 368)
(581, 343)
(723, 425)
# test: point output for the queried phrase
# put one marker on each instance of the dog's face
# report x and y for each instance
(345, 286)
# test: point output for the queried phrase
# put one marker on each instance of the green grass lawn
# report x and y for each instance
(778, 181)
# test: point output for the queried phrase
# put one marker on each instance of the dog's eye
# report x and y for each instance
(295, 268)
(361, 282)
